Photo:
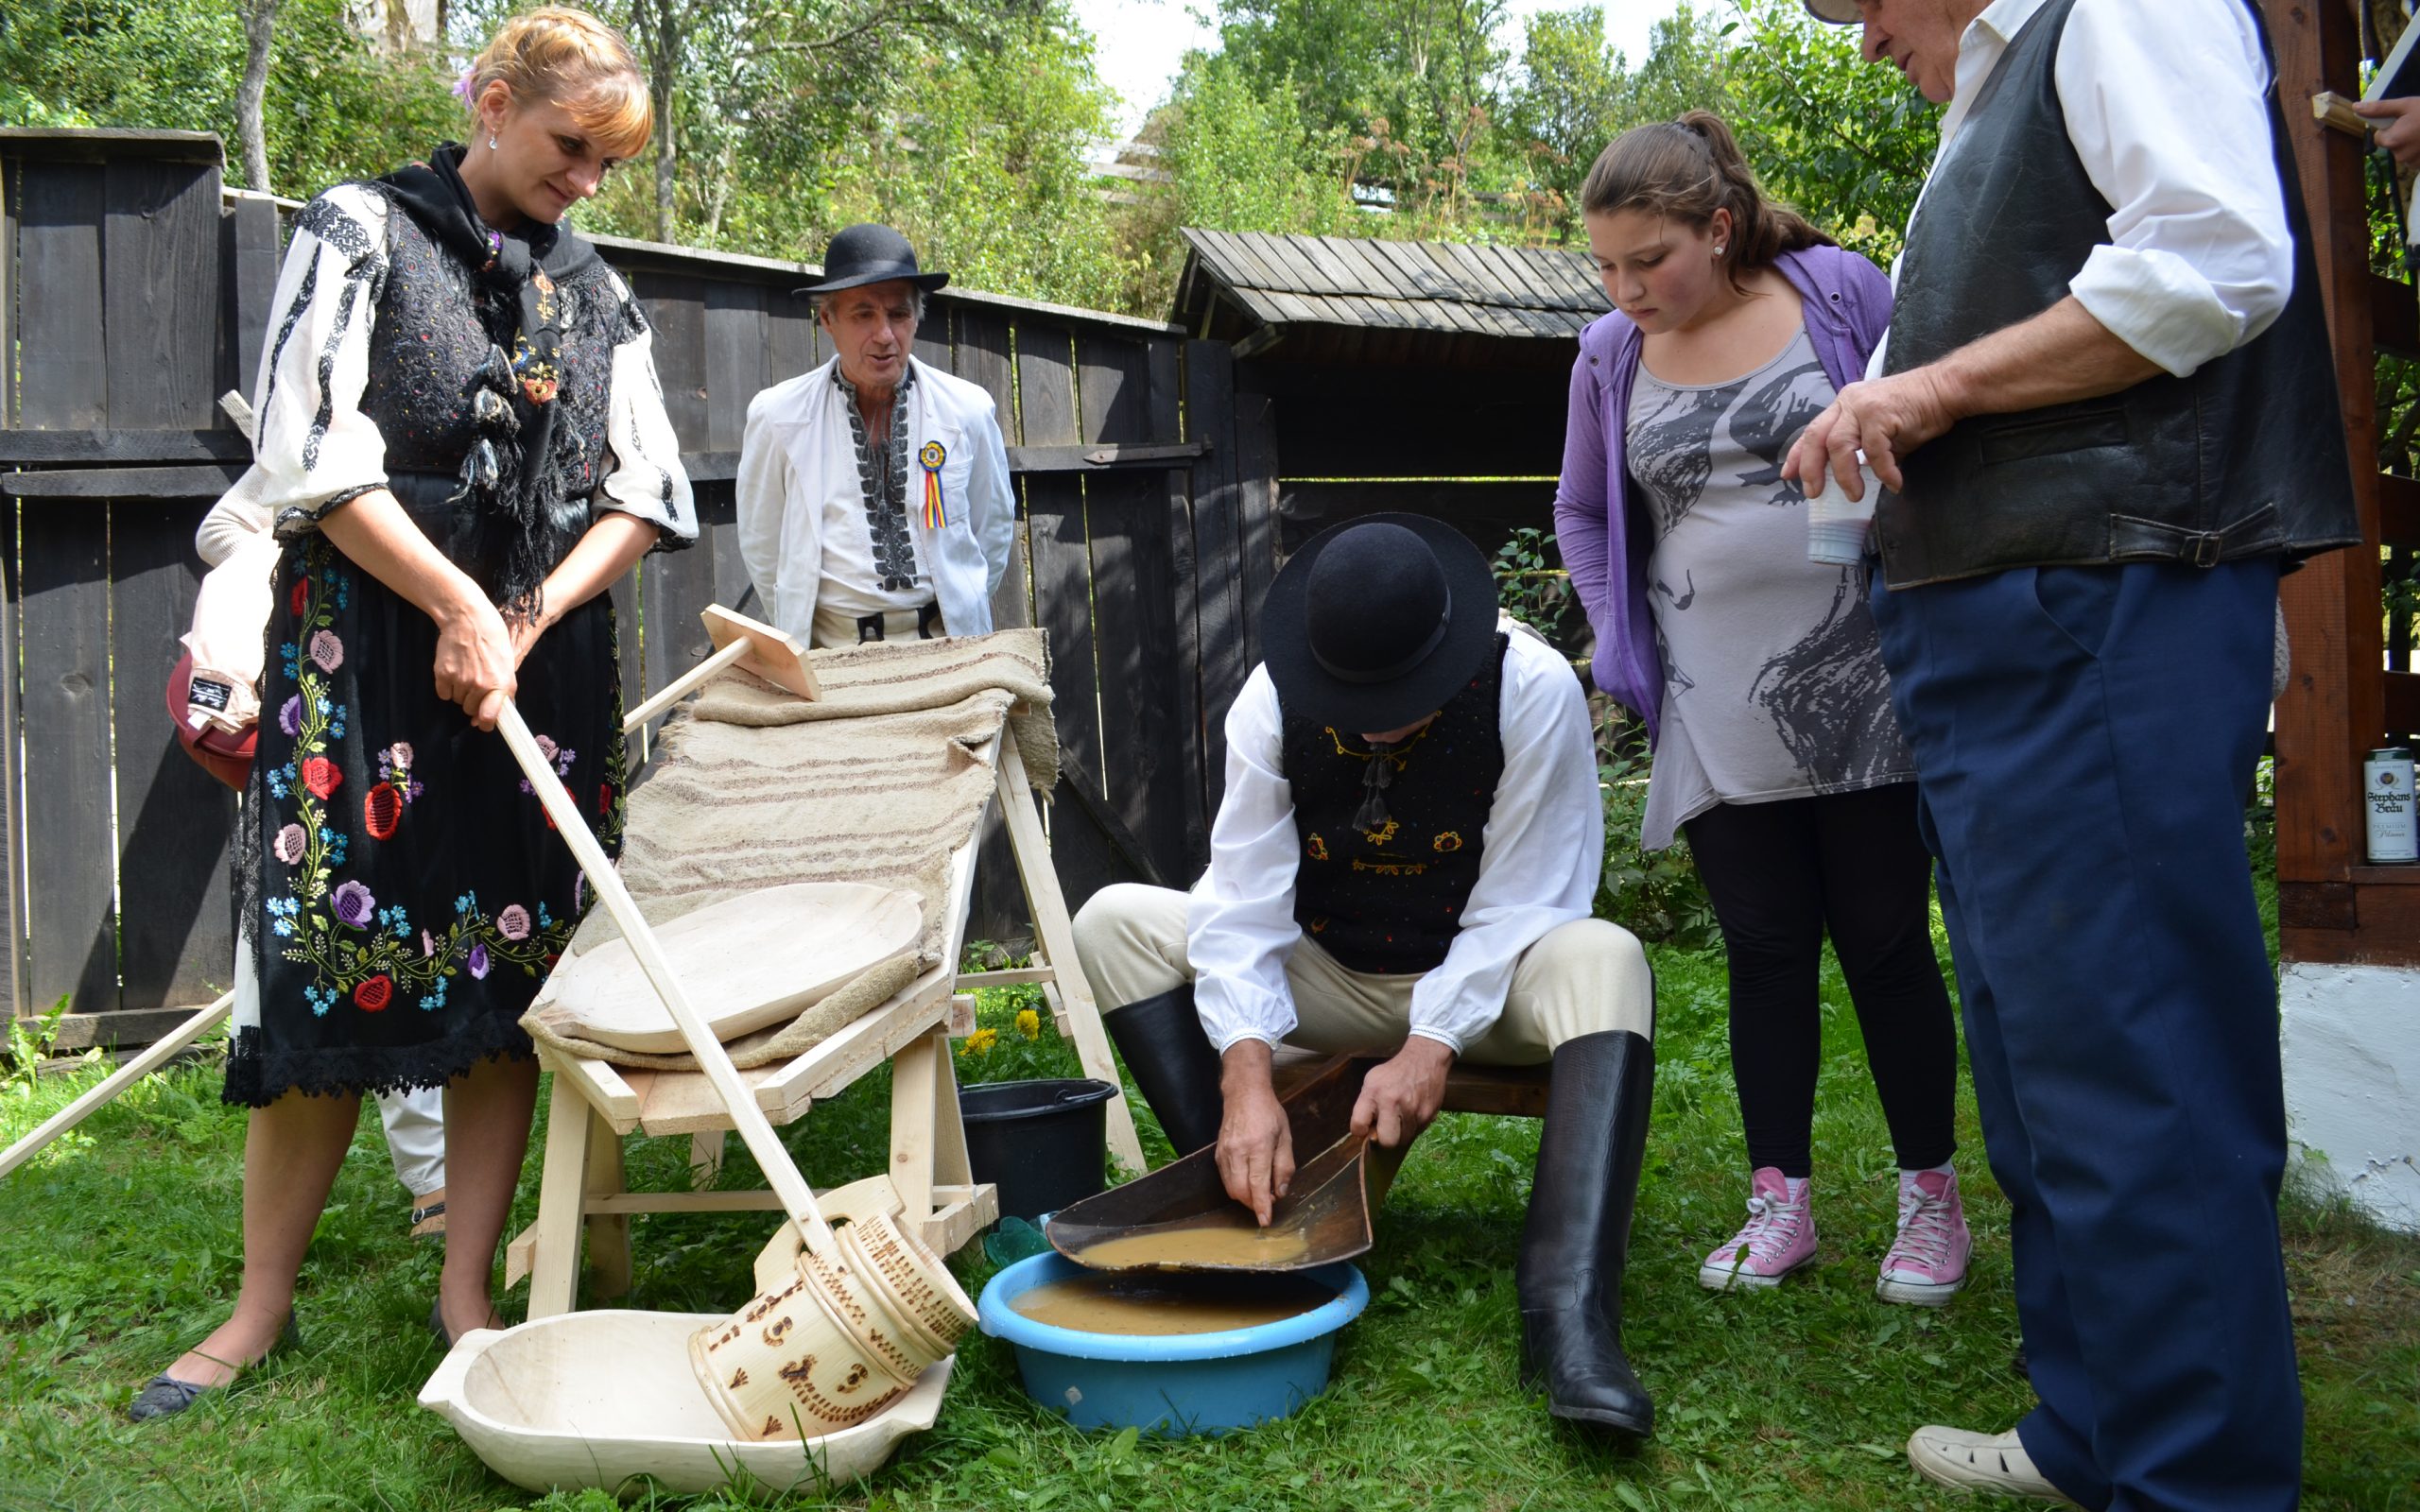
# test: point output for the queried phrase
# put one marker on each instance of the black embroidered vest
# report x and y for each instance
(1390, 900)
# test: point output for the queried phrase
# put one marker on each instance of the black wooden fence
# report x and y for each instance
(134, 292)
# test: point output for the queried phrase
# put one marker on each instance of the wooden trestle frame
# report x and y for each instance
(593, 1103)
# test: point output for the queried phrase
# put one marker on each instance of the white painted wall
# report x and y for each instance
(2352, 1050)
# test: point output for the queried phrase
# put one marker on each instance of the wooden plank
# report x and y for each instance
(1256, 462)
(719, 535)
(1297, 270)
(1173, 505)
(249, 257)
(15, 998)
(72, 923)
(9, 280)
(2398, 511)
(983, 361)
(206, 480)
(933, 338)
(795, 343)
(2334, 702)
(176, 937)
(563, 1182)
(736, 345)
(159, 292)
(1063, 582)
(1096, 458)
(126, 447)
(1218, 648)
(1046, 386)
(677, 307)
(1134, 635)
(64, 371)
(2395, 317)
(679, 585)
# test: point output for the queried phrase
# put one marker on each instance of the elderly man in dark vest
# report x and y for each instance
(1404, 864)
(2107, 422)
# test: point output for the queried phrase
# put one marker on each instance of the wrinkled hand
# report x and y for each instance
(1400, 1098)
(2399, 132)
(1887, 419)
(476, 660)
(1255, 1144)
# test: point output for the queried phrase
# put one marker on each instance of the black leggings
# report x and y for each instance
(1780, 875)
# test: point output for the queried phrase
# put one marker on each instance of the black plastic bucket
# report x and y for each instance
(1040, 1142)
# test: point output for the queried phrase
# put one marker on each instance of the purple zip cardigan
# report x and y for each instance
(1604, 537)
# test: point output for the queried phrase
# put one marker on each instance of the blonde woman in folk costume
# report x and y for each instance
(461, 442)
(873, 492)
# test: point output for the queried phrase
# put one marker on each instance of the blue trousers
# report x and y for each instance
(2084, 738)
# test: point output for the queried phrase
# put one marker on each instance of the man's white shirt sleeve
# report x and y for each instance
(2172, 123)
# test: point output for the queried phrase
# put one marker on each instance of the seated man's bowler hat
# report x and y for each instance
(867, 254)
(1379, 622)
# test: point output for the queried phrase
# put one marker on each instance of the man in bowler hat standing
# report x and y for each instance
(2107, 421)
(874, 494)
(1404, 865)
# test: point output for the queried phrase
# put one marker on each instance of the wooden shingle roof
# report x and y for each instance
(1254, 287)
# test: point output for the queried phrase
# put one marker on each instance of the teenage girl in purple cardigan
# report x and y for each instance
(1757, 671)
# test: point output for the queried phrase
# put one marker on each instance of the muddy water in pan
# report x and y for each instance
(1177, 1245)
(1131, 1305)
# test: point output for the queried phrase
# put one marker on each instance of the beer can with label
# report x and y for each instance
(2386, 778)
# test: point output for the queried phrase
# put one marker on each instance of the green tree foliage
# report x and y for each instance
(1847, 141)
(1573, 97)
(335, 109)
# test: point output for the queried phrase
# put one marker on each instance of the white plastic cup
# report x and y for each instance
(1838, 526)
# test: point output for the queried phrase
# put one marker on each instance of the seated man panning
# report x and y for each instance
(1404, 865)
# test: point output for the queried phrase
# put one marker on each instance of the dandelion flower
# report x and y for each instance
(981, 1041)
(1029, 1024)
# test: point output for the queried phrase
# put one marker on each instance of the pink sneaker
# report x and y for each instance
(1927, 1263)
(1778, 1238)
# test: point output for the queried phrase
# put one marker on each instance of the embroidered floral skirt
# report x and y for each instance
(406, 893)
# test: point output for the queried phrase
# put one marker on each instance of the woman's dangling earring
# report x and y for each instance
(492, 147)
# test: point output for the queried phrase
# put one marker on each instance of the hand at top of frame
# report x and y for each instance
(1400, 1097)
(2398, 131)
(1886, 418)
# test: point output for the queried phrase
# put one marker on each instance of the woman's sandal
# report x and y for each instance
(429, 1222)
(165, 1395)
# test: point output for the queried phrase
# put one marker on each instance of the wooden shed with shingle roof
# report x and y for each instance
(1357, 300)
(1429, 377)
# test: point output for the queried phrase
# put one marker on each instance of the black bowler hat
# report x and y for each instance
(1839, 12)
(867, 254)
(1379, 622)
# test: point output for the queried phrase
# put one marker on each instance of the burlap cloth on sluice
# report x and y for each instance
(877, 782)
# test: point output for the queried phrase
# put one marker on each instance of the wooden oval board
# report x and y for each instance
(747, 963)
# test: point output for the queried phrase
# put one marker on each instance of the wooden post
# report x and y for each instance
(2333, 708)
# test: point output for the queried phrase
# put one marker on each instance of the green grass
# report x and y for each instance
(121, 1249)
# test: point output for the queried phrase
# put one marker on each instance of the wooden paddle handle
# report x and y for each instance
(119, 1080)
(781, 1172)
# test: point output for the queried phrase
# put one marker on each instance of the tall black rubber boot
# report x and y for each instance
(1578, 1234)
(1162, 1040)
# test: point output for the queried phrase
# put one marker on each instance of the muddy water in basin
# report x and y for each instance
(1130, 1304)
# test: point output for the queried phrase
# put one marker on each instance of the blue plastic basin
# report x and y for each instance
(1174, 1384)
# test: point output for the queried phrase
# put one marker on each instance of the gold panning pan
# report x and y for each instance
(1180, 1218)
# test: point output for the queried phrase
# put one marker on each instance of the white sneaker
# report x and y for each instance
(1994, 1463)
